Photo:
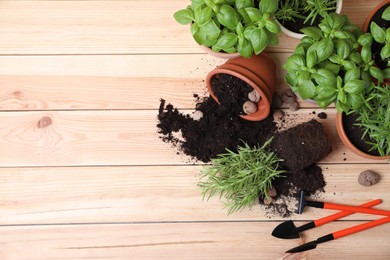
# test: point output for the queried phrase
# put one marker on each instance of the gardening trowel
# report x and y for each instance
(326, 205)
(287, 229)
(345, 232)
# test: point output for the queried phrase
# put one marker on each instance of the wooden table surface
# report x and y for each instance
(83, 174)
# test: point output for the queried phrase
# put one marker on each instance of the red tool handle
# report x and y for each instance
(342, 214)
(361, 227)
(328, 205)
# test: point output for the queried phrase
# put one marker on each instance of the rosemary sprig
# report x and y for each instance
(241, 176)
(375, 119)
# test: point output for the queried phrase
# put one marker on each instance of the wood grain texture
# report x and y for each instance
(51, 195)
(71, 138)
(111, 27)
(224, 240)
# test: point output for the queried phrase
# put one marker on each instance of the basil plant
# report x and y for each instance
(327, 66)
(232, 25)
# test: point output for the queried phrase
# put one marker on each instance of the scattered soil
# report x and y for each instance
(302, 145)
(355, 134)
(218, 129)
(221, 128)
(322, 115)
(377, 47)
(298, 23)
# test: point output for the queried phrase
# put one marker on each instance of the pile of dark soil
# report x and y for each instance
(302, 145)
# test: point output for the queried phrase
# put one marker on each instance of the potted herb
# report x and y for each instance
(377, 25)
(295, 15)
(328, 67)
(241, 177)
(366, 132)
(257, 72)
(230, 27)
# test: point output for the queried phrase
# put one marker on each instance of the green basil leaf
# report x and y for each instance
(365, 39)
(324, 77)
(326, 29)
(194, 28)
(205, 16)
(325, 102)
(196, 3)
(211, 29)
(355, 100)
(348, 65)
(273, 38)
(245, 48)
(376, 73)
(342, 107)
(249, 31)
(325, 91)
(311, 59)
(240, 29)
(312, 32)
(341, 35)
(254, 14)
(272, 26)
(303, 76)
(184, 16)
(334, 58)
(294, 63)
(307, 89)
(385, 52)
(352, 75)
(355, 57)
(343, 48)
(365, 75)
(377, 32)
(335, 69)
(366, 54)
(259, 40)
(338, 22)
(228, 17)
(341, 96)
(386, 14)
(386, 73)
(268, 6)
(227, 41)
(240, 4)
(200, 36)
(355, 86)
(245, 17)
(291, 79)
(387, 35)
(230, 50)
(307, 39)
(324, 49)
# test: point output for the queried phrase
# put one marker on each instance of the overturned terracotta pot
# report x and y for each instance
(345, 140)
(259, 72)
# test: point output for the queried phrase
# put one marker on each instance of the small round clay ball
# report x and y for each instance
(254, 96)
(294, 106)
(368, 178)
(197, 115)
(289, 97)
(272, 192)
(278, 115)
(277, 100)
(249, 107)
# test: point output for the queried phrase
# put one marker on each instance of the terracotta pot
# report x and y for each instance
(339, 6)
(221, 55)
(372, 13)
(259, 72)
(345, 140)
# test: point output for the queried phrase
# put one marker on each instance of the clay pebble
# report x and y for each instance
(254, 96)
(368, 178)
(249, 107)
(278, 115)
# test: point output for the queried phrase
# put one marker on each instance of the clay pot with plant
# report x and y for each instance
(328, 67)
(257, 74)
(231, 28)
(296, 15)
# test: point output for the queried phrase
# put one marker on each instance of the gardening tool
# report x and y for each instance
(326, 205)
(342, 233)
(287, 229)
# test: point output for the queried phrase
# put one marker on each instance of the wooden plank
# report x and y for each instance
(154, 194)
(109, 81)
(66, 138)
(112, 27)
(181, 241)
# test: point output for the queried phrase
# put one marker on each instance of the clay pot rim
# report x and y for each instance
(221, 55)
(263, 106)
(345, 140)
(372, 13)
(292, 34)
